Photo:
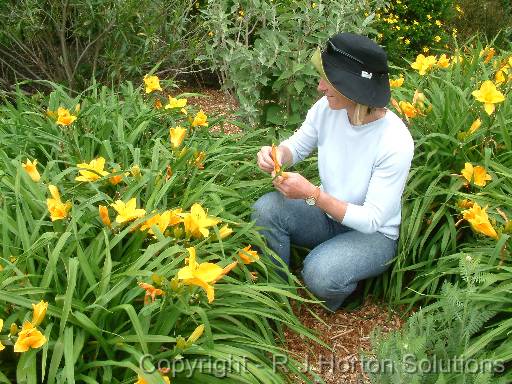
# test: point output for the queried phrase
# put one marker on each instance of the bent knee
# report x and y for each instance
(325, 282)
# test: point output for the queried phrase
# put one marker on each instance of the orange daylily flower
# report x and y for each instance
(29, 337)
(104, 216)
(151, 292)
(277, 166)
(248, 256)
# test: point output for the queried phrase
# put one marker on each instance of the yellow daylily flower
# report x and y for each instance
(2, 347)
(203, 275)
(91, 171)
(225, 231)
(423, 64)
(477, 174)
(104, 216)
(200, 119)
(197, 222)
(162, 221)
(58, 210)
(443, 62)
(175, 103)
(64, 117)
(479, 221)
(127, 211)
(177, 135)
(39, 312)
(198, 332)
(474, 126)
(29, 337)
(248, 256)
(151, 292)
(152, 83)
(396, 83)
(140, 380)
(31, 168)
(489, 95)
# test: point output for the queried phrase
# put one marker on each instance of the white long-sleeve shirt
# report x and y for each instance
(365, 165)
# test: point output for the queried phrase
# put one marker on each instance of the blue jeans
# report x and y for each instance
(340, 256)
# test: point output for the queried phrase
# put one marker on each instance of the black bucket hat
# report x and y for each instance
(356, 67)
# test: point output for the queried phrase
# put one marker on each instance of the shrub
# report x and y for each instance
(261, 51)
(74, 42)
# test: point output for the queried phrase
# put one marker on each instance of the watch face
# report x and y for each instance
(310, 201)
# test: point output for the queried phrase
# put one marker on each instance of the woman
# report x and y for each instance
(351, 221)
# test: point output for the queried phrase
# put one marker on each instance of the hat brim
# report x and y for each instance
(374, 92)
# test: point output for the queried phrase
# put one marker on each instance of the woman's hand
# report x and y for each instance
(265, 162)
(293, 185)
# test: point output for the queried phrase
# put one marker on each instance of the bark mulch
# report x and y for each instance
(346, 332)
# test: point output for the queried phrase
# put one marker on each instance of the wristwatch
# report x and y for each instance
(311, 200)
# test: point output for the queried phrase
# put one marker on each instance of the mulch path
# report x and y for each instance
(346, 332)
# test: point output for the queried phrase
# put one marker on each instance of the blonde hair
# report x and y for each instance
(358, 116)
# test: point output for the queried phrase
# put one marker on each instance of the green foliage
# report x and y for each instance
(437, 245)
(436, 344)
(98, 325)
(261, 50)
(405, 28)
(73, 42)
(491, 19)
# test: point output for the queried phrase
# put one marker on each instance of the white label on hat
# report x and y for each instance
(368, 75)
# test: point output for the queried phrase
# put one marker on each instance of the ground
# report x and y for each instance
(346, 332)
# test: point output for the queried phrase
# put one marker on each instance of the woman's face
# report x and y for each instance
(335, 99)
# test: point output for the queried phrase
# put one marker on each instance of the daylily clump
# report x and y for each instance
(489, 95)
(58, 210)
(91, 171)
(478, 175)
(479, 221)
(31, 168)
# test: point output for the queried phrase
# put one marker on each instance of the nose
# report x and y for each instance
(322, 86)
